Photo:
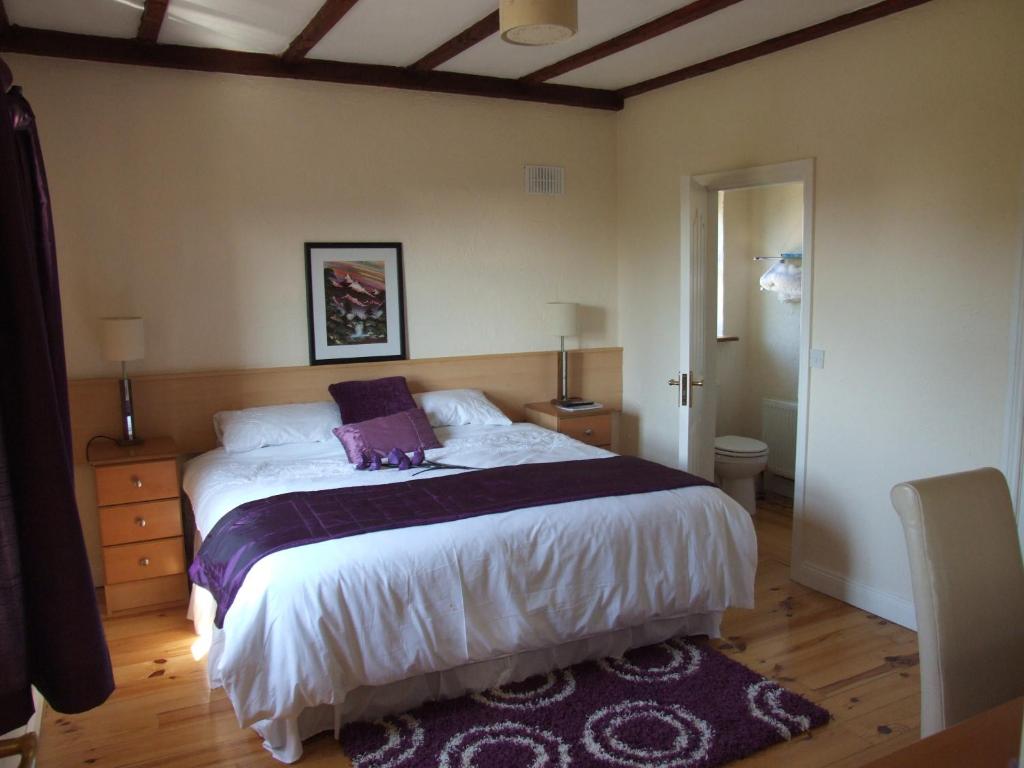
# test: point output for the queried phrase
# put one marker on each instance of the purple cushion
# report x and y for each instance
(405, 431)
(362, 400)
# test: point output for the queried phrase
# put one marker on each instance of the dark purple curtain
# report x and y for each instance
(50, 630)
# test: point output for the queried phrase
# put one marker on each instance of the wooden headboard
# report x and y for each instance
(182, 404)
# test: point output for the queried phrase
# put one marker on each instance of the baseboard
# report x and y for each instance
(891, 607)
(783, 486)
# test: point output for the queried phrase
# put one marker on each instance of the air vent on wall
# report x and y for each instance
(545, 180)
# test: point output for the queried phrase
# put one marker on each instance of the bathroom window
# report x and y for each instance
(721, 263)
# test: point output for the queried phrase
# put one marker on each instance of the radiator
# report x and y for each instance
(778, 430)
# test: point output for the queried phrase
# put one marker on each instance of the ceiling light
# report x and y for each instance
(537, 22)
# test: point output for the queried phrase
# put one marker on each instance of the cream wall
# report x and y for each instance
(186, 198)
(764, 362)
(915, 123)
(777, 223)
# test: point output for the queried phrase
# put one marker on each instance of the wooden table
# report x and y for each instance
(989, 740)
(593, 427)
(138, 500)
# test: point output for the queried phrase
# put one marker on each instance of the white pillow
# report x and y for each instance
(241, 431)
(449, 407)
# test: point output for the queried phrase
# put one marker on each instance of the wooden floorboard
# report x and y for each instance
(861, 668)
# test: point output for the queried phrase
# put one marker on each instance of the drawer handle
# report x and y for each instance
(144, 561)
(588, 431)
(137, 482)
(140, 521)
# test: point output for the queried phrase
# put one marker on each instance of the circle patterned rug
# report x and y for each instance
(673, 705)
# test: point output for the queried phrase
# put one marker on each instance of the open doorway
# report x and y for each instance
(760, 269)
(754, 383)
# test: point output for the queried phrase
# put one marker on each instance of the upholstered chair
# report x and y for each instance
(968, 581)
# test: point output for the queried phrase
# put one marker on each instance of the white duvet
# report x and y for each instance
(312, 623)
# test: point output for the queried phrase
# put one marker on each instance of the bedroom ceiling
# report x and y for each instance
(359, 40)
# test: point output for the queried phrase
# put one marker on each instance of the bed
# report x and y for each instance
(373, 624)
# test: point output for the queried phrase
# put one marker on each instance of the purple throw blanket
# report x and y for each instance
(256, 529)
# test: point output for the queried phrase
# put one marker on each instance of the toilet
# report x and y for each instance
(738, 460)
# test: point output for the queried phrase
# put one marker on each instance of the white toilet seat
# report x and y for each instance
(737, 447)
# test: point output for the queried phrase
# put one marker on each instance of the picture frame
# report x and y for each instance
(355, 302)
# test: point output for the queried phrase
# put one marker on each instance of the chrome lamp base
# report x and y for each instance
(128, 436)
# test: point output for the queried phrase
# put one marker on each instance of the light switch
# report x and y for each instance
(817, 358)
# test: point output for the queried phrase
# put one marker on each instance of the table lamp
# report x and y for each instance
(123, 340)
(562, 322)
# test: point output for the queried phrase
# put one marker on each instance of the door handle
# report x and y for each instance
(693, 383)
(687, 382)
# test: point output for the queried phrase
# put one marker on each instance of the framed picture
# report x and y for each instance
(356, 302)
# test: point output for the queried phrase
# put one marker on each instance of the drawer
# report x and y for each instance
(140, 522)
(592, 430)
(139, 594)
(140, 481)
(146, 560)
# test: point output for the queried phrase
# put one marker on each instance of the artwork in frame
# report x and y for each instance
(355, 301)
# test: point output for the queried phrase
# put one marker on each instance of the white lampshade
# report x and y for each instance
(123, 339)
(562, 318)
(537, 22)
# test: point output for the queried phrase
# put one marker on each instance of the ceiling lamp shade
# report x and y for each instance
(537, 22)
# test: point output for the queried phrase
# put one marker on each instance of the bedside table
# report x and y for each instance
(591, 427)
(138, 498)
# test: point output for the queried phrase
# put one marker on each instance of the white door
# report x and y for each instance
(698, 294)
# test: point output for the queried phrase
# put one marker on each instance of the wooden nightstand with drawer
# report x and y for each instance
(138, 498)
(592, 427)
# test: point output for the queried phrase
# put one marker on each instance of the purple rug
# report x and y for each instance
(673, 705)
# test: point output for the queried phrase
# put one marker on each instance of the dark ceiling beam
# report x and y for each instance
(152, 18)
(659, 26)
(42, 42)
(326, 18)
(466, 39)
(780, 43)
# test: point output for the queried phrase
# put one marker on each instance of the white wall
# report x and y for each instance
(764, 362)
(915, 122)
(186, 198)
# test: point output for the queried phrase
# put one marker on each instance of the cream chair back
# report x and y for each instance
(968, 581)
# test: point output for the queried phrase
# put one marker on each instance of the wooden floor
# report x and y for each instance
(860, 667)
